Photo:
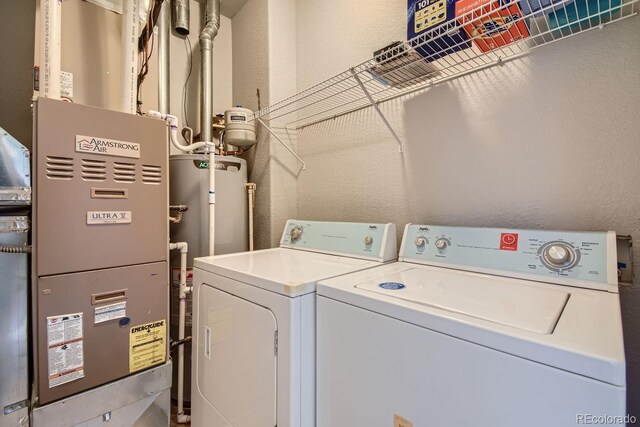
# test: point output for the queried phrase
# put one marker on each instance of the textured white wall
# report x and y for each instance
(264, 58)
(251, 73)
(549, 141)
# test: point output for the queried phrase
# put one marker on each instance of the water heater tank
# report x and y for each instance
(189, 185)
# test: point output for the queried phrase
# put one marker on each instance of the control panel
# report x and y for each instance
(586, 259)
(342, 238)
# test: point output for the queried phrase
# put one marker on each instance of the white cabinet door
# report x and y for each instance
(237, 358)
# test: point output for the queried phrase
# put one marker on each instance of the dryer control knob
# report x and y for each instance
(296, 234)
(368, 241)
(441, 244)
(421, 242)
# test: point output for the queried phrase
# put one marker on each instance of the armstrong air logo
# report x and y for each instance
(107, 147)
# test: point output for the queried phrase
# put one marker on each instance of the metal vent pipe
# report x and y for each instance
(181, 16)
(209, 32)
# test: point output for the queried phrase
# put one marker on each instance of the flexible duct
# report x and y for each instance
(164, 34)
(181, 16)
(15, 249)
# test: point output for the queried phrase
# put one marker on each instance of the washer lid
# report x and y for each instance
(525, 307)
(285, 271)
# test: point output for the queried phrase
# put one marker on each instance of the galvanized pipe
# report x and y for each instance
(164, 34)
(209, 32)
(181, 16)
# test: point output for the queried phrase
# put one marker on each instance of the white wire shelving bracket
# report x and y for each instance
(438, 56)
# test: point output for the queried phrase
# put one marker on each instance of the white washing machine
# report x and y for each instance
(254, 322)
(475, 327)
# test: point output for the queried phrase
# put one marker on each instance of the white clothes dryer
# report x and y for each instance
(254, 322)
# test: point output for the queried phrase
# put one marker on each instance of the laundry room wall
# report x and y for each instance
(264, 61)
(548, 141)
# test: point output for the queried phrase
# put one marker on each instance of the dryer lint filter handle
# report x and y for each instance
(583, 259)
(359, 240)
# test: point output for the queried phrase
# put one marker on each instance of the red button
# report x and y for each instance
(508, 242)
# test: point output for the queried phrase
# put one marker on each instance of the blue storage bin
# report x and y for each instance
(578, 12)
(529, 7)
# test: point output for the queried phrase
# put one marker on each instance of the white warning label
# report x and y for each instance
(65, 347)
(110, 312)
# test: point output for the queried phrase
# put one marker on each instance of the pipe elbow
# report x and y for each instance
(208, 33)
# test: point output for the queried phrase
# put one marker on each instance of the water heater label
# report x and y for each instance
(107, 147)
(147, 345)
(108, 217)
(65, 348)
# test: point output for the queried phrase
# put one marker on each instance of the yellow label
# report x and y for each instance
(147, 345)
(399, 421)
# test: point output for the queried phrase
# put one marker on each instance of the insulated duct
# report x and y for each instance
(209, 32)
(181, 16)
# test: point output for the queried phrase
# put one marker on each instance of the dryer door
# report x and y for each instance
(236, 358)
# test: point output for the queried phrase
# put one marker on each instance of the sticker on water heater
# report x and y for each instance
(108, 217)
(65, 348)
(110, 312)
(107, 147)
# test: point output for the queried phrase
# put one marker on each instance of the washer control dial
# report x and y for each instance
(441, 244)
(559, 255)
(368, 241)
(421, 241)
(296, 234)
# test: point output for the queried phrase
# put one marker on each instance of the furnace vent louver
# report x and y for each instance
(59, 167)
(94, 170)
(151, 174)
(124, 172)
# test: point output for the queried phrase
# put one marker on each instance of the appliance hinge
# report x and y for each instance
(275, 343)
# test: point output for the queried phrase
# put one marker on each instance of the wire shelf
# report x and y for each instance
(486, 34)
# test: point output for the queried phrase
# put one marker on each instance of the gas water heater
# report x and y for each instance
(100, 261)
(190, 188)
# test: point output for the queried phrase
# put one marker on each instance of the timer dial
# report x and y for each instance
(559, 255)
(296, 234)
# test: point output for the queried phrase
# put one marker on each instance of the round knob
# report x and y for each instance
(421, 242)
(557, 254)
(368, 241)
(296, 234)
(441, 244)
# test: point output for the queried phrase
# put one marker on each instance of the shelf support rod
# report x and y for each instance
(375, 106)
(304, 165)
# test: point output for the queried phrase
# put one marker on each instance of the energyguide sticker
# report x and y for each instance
(147, 345)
